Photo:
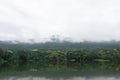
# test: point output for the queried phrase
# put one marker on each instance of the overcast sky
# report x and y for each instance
(80, 20)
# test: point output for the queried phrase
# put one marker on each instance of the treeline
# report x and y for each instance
(60, 57)
(59, 45)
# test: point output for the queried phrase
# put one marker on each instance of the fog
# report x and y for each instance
(76, 20)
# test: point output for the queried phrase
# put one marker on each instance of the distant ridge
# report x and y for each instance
(16, 45)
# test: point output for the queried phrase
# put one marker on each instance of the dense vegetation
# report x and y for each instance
(59, 52)
(60, 57)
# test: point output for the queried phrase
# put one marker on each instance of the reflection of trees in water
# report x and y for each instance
(59, 79)
(68, 72)
(74, 78)
(34, 77)
(87, 78)
(31, 78)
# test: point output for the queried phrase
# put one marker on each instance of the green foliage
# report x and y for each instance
(60, 57)
(1, 61)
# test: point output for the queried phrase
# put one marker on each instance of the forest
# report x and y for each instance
(60, 53)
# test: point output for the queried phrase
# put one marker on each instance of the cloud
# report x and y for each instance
(78, 19)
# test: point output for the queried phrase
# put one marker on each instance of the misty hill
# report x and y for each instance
(59, 45)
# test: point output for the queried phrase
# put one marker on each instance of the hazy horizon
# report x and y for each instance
(74, 20)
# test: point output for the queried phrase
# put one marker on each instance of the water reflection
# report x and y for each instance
(63, 72)
(78, 77)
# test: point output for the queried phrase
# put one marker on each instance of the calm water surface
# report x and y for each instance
(77, 72)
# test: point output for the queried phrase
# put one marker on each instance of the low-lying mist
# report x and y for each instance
(59, 45)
